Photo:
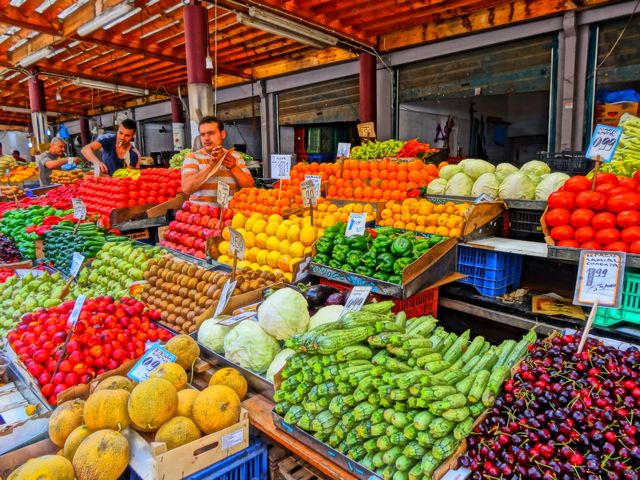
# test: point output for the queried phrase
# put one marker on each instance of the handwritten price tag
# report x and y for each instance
(152, 359)
(356, 224)
(79, 209)
(236, 243)
(600, 278)
(366, 130)
(96, 170)
(603, 143)
(309, 197)
(223, 194)
(317, 183)
(75, 313)
(280, 166)
(227, 290)
(344, 149)
(76, 263)
(356, 299)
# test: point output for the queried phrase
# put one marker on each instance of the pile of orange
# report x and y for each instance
(268, 202)
(421, 215)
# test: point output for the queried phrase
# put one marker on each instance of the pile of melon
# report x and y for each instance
(89, 432)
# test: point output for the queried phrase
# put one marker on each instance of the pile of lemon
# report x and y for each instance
(272, 243)
(421, 215)
(328, 214)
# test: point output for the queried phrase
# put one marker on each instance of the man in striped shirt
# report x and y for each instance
(200, 174)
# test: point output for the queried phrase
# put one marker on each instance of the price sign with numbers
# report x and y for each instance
(356, 299)
(236, 243)
(75, 313)
(79, 209)
(356, 224)
(76, 263)
(280, 166)
(227, 290)
(344, 149)
(317, 183)
(223, 194)
(600, 277)
(152, 359)
(309, 195)
(366, 130)
(603, 143)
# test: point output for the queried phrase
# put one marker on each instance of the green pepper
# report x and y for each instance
(434, 240)
(382, 243)
(353, 259)
(334, 264)
(385, 262)
(419, 248)
(381, 276)
(362, 270)
(385, 231)
(346, 267)
(324, 245)
(341, 240)
(402, 246)
(397, 279)
(339, 253)
(400, 264)
(321, 258)
(357, 242)
(369, 259)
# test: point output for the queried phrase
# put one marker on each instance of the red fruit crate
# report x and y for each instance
(422, 303)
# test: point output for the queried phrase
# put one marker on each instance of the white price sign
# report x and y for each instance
(75, 313)
(603, 143)
(309, 196)
(356, 299)
(152, 359)
(280, 166)
(236, 243)
(344, 149)
(227, 290)
(223, 194)
(356, 224)
(79, 209)
(76, 263)
(96, 169)
(317, 183)
(600, 278)
(231, 321)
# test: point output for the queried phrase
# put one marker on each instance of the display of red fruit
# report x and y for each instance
(563, 232)
(581, 217)
(561, 199)
(577, 184)
(557, 217)
(591, 200)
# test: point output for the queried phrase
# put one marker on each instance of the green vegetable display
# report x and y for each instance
(398, 396)
(371, 150)
(178, 158)
(14, 222)
(626, 160)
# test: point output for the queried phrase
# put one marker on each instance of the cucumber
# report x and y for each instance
(474, 349)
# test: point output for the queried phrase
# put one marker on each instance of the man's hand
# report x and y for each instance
(103, 167)
(229, 161)
(214, 157)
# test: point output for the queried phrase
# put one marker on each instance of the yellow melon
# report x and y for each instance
(64, 419)
(74, 440)
(185, 348)
(116, 382)
(178, 431)
(152, 403)
(107, 409)
(216, 407)
(231, 378)
(173, 373)
(104, 455)
(186, 398)
(48, 467)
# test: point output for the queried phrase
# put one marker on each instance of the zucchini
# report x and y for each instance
(380, 340)
(521, 348)
(414, 343)
(398, 394)
(437, 392)
(354, 352)
(506, 348)
(450, 376)
(425, 439)
(404, 464)
(476, 409)
(456, 414)
(330, 342)
(383, 444)
(377, 416)
(324, 422)
(463, 429)
(437, 366)
(456, 400)
(479, 384)
(486, 362)
(398, 438)
(444, 447)
(422, 420)
(488, 398)
(441, 427)
(378, 307)
(305, 421)
(377, 458)
(294, 414)
(410, 432)
(474, 349)
(464, 385)
(401, 353)
(373, 398)
(420, 352)
(391, 455)
(406, 380)
(363, 410)
(497, 377)
(400, 319)
(416, 472)
(431, 357)
(337, 406)
(399, 419)
(414, 450)
(454, 352)
(428, 465)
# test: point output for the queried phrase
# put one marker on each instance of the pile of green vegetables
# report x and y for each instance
(396, 396)
(371, 150)
(382, 253)
(14, 222)
(626, 160)
(177, 159)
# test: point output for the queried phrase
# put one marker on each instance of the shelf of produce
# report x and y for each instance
(572, 255)
(260, 409)
(507, 245)
(534, 205)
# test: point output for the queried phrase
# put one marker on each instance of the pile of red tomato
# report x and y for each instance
(606, 218)
(107, 334)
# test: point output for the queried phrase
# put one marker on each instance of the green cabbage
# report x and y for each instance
(459, 185)
(534, 170)
(474, 167)
(517, 186)
(284, 314)
(486, 183)
(249, 346)
(278, 362)
(211, 334)
(503, 170)
(328, 314)
(437, 186)
(449, 171)
(549, 184)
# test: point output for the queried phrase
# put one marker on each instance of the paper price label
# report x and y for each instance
(79, 209)
(309, 195)
(356, 299)
(96, 170)
(227, 290)
(76, 263)
(75, 313)
(483, 197)
(600, 277)
(236, 243)
(344, 150)
(232, 439)
(280, 166)
(231, 321)
(317, 183)
(223, 194)
(603, 143)
(366, 130)
(356, 224)
(152, 359)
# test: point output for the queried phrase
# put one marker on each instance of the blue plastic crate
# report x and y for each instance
(248, 464)
(491, 273)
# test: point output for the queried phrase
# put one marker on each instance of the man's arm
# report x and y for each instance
(87, 152)
(239, 170)
(191, 182)
(53, 164)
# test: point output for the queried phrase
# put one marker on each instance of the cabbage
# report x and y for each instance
(449, 171)
(211, 334)
(503, 170)
(535, 169)
(437, 186)
(549, 184)
(278, 362)
(517, 186)
(249, 346)
(459, 185)
(474, 167)
(486, 183)
(284, 314)
(328, 314)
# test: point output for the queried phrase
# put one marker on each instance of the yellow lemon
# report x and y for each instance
(250, 223)
(308, 235)
(261, 240)
(272, 259)
(261, 258)
(259, 226)
(238, 221)
(252, 254)
(275, 218)
(288, 276)
(283, 248)
(283, 263)
(332, 208)
(242, 231)
(272, 244)
(254, 266)
(323, 207)
(265, 268)
(271, 228)
(281, 232)
(226, 259)
(223, 247)
(225, 233)
(308, 250)
(296, 249)
(243, 264)
(249, 239)
(444, 231)
(293, 234)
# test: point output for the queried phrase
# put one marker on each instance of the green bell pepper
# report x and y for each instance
(341, 240)
(400, 264)
(363, 270)
(434, 240)
(369, 259)
(357, 242)
(385, 262)
(381, 276)
(324, 246)
(334, 264)
(346, 267)
(397, 279)
(385, 231)
(382, 243)
(339, 253)
(321, 258)
(354, 258)
(402, 246)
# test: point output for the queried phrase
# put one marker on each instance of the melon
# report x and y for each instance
(74, 440)
(185, 348)
(48, 467)
(64, 420)
(177, 431)
(232, 379)
(186, 398)
(107, 409)
(103, 455)
(172, 372)
(152, 403)
(216, 407)
(116, 382)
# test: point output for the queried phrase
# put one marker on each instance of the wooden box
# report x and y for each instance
(12, 460)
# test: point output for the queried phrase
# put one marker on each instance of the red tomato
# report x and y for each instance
(568, 244)
(605, 188)
(577, 184)
(591, 245)
(557, 217)
(593, 200)
(563, 232)
(629, 183)
(617, 247)
(607, 236)
(561, 200)
(631, 234)
(581, 217)
(609, 178)
(635, 246)
(622, 202)
(620, 190)
(603, 220)
(584, 234)
(628, 218)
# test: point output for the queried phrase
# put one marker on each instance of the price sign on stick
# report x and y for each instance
(236, 243)
(309, 193)
(79, 209)
(367, 130)
(603, 143)
(152, 359)
(344, 149)
(356, 224)
(356, 299)
(76, 263)
(600, 278)
(227, 290)
(317, 183)
(281, 166)
(223, 194)
(96, 170)
(75, 313)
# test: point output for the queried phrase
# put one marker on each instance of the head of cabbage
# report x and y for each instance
(517, 186)
(549, 184)
(487, 184)
(437, 186)
(459, 185)
(211, 334)
(474, 167)
(284, 314)
(449, 171)
(249, 346)
(535, 169)
(503, 170)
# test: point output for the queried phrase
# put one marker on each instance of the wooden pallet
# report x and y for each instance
(292, 468)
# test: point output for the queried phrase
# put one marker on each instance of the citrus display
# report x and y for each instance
(421, 215)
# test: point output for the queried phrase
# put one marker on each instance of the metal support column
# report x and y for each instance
(367, 88)
(85, 132)
(177, 123)
(38, 105)
(566, 80)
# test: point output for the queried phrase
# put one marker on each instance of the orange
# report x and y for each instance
(443, 219)
(383, 174)
(414, 176)
(377, 193)
(393, 185)
(386, 195)
(396, 195)
(392, 176)
(392, 166)
(402, 167)
(430, 229)
(364, 174)
(444, 231)
(402, 186)
(402, 176)
(411, 226)
(332, 190)
(364, 165)
(348, 192)
(357, 192)
(398, 224)
(354, 174)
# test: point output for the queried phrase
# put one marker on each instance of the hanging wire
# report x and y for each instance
(215, 58)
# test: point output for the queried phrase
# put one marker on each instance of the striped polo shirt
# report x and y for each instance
(207, 193)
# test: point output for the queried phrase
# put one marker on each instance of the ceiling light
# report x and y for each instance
(4, 38)
(110, 87)
(18, 44)
(12, 76)
(6, 108)
(144, 22)
(71, 8)
(208, 63)
(58, 96)
(104, 18)
(122, 19)
(44, 5)
(56, 52)
(290, 25)
(75, 43)
(157, 30)
(35, 56)
(17, 3)
(266, 27)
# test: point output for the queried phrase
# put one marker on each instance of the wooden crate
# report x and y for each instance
(293, 468)
(12, 460)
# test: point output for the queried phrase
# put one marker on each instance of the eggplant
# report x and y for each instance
(337, 298)
(317, 295)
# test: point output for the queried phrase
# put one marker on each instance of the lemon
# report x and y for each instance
(272, 259)
(242, 231)
(254, 266)
(293, 234)
(265, 268)
(308, 250)
(252, 254)
(308, 235)
(223, 247)
(272, 244)
(238, 221)
(271, 228)
(281, 232)
(275, 218)
(283, 247)
(288, 276)
(225, 233)
(261, 257)
(243, 264)
(296, 249)
(259, 226)
(226, 259)
(250, 223)
(261, 240)
(283, 263)
(249, 240)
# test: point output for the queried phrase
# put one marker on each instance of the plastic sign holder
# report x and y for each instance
(602, 147)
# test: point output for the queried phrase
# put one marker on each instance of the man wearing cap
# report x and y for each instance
(51, 160)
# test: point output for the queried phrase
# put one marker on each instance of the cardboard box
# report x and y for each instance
(610, 113)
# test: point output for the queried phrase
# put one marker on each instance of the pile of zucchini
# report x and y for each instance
(396, 396)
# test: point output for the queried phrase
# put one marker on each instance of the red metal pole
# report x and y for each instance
(37, 99)
(367, 88)
(177, 116)
(196, 43)
(85, 134)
